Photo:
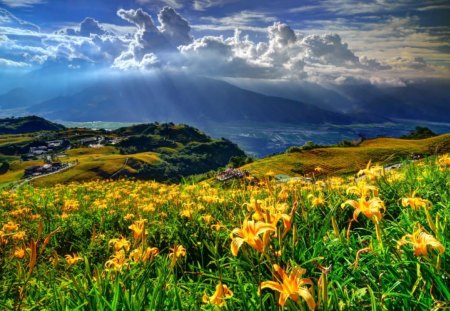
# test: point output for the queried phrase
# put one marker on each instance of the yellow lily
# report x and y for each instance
(415, 202)
(121, 243)
(138, 228)
(420, 241)
(176, 252)
(218, 298)
(72, 259)
(316, 201)
(291, 286)
(370, 208)
(249, 233)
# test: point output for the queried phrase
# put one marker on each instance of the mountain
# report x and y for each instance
(27, 125)
(17, 97)
(178, 98)
(427, 100)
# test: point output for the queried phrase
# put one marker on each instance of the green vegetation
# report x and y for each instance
(27, 125)
(343, 160)
(420, 133)
(137, 245)
(163, 152)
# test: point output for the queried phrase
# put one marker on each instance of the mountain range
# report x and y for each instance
(199, 100)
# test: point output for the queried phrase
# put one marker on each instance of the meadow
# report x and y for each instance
(378, 243)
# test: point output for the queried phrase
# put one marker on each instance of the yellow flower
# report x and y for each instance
(207, 218)
(128, 216)
(19, 253)
(176, 252)
(291, 286)
(370, 208)
(117, 261)
(420, 241)
(249, 233)
(121, 243)
(218, 298)
(362, 189)
(138, 228)
(415, 202)
(316, 201)
(19, 236)
(10, 226)
(143, 255)
(371, 172)
(72, 259)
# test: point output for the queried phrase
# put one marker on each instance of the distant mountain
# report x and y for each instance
(427, 100)
(179, 99)
(27, 125)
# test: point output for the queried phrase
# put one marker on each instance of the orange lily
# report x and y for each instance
(138, 228)
(176, 252)
(420, 241)
(291, 286)
(249, 233)
(218, 298)
(415, 202)
(73, 259)
(370, 208)
(120, 243)
(316, 201)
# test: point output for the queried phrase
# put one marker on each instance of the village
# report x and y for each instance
(52, 151)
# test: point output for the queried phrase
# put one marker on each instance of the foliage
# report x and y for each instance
(419, 133)
(133, 245)
(28, 124)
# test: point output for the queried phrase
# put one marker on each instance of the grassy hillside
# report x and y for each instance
(98, 163)
(341, 160)
(28, 124)
(140, 245)
(163, 152)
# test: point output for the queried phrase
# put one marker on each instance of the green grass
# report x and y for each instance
(83, 218)
(342, 160)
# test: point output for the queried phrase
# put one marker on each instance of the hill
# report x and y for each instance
(165, 152)
(343, 160)
(27, 125)
(180, 99)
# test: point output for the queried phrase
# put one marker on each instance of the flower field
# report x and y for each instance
(380, 242)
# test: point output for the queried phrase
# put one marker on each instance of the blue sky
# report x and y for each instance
(328, 41)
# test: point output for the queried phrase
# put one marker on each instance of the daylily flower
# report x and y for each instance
(10, 226)
(72, 259)
(249, 233)
(420, 241)
(316, 201)
(370, 208)
(291, 286)
(138, 228)
(371, 172)
(415, 202)
(176, 252)
(218, 298)
(19, 253)
(143, 255)
(117, 261)
(119, 244)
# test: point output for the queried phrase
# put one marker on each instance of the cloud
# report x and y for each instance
(202, 5)
(151, 43)
(87, 27)
(9, 20)
(21, 3)
(174, 27)
(10, 63)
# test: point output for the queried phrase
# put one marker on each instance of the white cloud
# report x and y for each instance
(21, 3)
(202, 5)
(87, 27)
(174, 27)
(10, 63)
(9, 20)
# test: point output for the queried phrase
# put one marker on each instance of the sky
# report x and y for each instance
(383, 42)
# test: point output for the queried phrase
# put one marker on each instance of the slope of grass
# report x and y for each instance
(135, 245)
(342, 160)
(96, 163)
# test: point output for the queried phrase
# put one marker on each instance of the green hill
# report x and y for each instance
(28, 124)
(164, 152)
(343, 160)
